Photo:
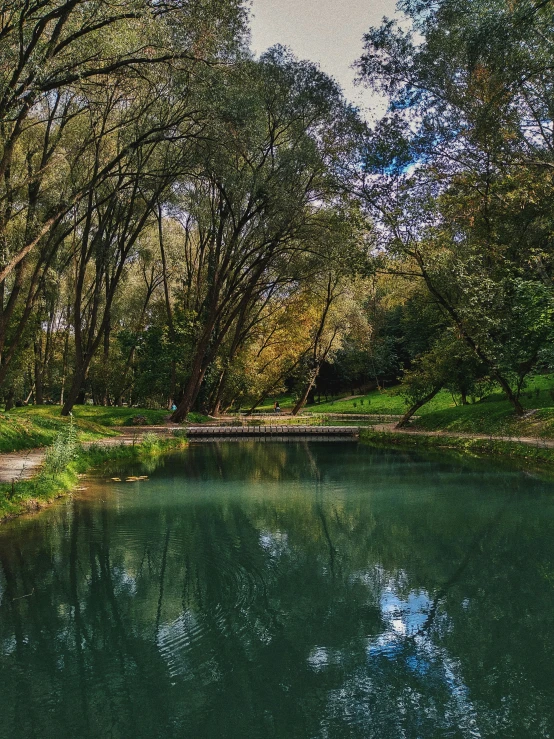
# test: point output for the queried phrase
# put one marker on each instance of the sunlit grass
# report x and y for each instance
(52, 482)
(36, 426)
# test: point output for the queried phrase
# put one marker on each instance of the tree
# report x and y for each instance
(457, 173)
(90, 88)
(262, 179)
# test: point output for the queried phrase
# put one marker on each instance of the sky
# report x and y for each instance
(324, 31)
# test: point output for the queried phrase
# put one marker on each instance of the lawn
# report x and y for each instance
(492, 415)
(114, 416)
(380, 402)
(34, 426)
(285, 401)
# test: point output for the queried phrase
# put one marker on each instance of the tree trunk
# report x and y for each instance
(105, 365)
(301, 402)
(514, 400)
(199, 367)
(217, 395)
(172, 385)
(9, 398)
(415, 407)
(39, 394)
(191, 393)
(256, 404)
(76, 392)
(65, 354)
(171, 326)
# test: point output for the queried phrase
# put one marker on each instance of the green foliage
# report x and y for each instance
(471, 212)
(66, 463)
(63, 451)
(533, 454)
(194, 417)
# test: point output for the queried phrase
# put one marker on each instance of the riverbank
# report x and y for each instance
(38, 426)
(65, 463)
(527, 450)
(490, 415)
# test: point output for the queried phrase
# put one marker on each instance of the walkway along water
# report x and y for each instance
(24, 464)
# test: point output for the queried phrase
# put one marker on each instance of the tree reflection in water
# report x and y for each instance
(284, 590)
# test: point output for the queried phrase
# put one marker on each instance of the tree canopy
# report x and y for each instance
(182, 224)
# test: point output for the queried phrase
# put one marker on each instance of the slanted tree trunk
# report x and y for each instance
(459, 323)
(416, 406)
(256, 404)
(301, 402)
(217, 395)
(169, 311)
(198, 371)
(319, 353)
(512, 397)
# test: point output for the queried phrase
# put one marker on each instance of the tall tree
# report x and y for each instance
(457, 173)
(281, 127)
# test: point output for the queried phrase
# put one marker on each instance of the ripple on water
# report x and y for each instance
(176, 639)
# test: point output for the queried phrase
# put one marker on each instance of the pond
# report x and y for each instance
(283, 589)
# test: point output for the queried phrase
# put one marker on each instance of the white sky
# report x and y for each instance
(324, 31)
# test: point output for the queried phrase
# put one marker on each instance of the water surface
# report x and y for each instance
(298, 589)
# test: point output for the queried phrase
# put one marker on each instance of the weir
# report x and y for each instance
(281, 430)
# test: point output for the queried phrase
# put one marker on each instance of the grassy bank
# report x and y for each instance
(37, 426)
(66, 461)
(491, 415)
(527, 453)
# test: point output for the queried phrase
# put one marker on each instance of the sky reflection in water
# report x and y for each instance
(284, 590)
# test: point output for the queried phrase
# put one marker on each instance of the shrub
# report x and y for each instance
(64, 449)
(149, 439)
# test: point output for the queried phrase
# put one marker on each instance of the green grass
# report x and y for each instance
(110, 416)
(530, 454)
(285, 401)
(26, 428)
(496, 418)
(380, 403)
(492, 415)
(495, 414)
(36, 426)
(33, 494)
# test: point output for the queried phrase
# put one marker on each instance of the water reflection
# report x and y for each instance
(283, 590)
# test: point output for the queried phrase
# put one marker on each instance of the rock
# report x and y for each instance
(139, 421)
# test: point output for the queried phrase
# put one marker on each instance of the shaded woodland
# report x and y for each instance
(184, 225)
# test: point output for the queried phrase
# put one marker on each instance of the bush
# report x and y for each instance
(63, 451)
(149, 440)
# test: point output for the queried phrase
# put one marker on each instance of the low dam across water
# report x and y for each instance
(280, 430)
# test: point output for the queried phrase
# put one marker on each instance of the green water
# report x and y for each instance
(284, 590)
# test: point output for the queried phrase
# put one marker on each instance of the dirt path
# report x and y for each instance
(26, 463)
(530, 440)
(20, 465)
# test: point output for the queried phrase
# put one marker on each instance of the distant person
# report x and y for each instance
(173, 407)
(277, 407)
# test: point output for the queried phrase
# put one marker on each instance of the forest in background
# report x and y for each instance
(183, 224)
